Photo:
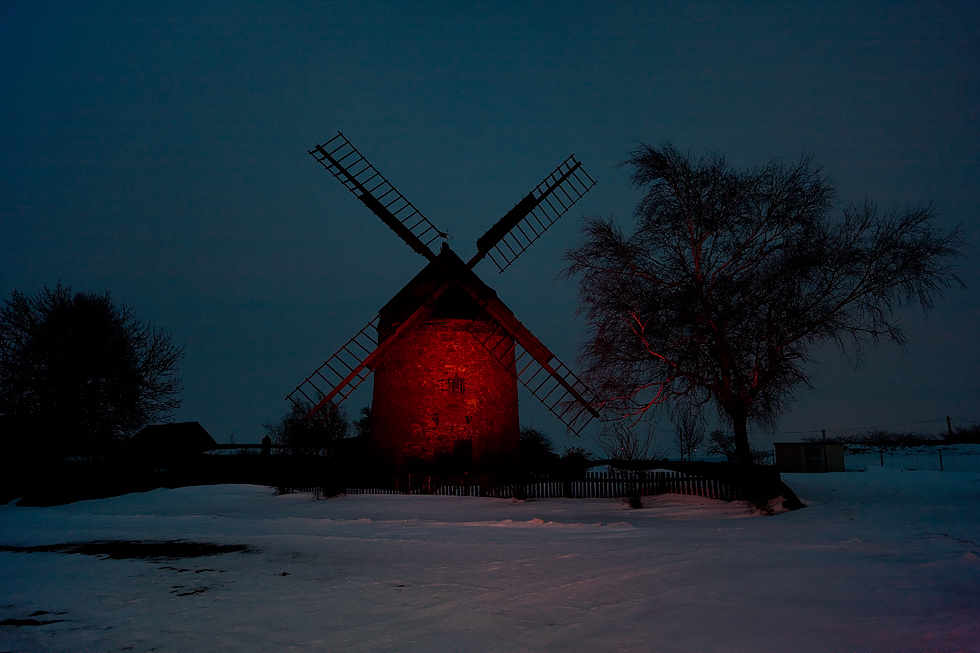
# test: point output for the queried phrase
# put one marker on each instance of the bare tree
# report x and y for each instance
(299, 436)
(688, 430)
(722, 443)
(80, 374)
(623, 445)
(732, 277)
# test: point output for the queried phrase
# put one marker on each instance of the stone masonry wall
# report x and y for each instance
(438, 387)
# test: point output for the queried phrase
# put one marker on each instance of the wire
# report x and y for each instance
(960, 419)
(882, 426)
(867, 428)
(855, 428)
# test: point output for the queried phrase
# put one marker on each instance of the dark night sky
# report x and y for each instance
(160, 151)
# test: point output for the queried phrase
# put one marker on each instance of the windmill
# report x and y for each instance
(446, 353)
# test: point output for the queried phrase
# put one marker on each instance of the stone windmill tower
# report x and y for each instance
(446, 353)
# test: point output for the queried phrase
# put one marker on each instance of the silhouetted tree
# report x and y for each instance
(732, 277)
(362, 427)
(537, 449)
(621, 443)
(576, 460)
(309, 437)
(79, 374)
(688, 430)
(722, 443)
(626, 449)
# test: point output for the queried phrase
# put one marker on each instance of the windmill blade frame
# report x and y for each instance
(350, 365)
(346, 369)
(341, 159)
(536, 367)
(514, 233)
(551, 383)
(412, 385)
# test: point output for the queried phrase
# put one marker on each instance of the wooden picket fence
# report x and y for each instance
(593, 485)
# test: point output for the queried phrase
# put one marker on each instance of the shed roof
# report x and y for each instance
(176, 437)
(455, 302)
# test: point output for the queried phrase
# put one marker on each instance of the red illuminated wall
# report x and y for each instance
(439, 386)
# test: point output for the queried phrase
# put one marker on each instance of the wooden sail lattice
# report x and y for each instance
(542, 208)
(550, 381)
(547, 378)
(356, 173)
(339, 375)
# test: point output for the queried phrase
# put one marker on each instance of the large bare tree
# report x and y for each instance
(731, 278)
(79, 374)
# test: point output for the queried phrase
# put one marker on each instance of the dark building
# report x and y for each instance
(163, 445)
(440, 392)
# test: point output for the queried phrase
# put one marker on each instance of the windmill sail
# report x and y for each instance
(546, 377)
(340, 374)
(497, 329)
(362, 179)
(533, 215)
(351, 366)
(539, 370)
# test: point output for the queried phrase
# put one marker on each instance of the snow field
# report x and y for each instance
(880, 560)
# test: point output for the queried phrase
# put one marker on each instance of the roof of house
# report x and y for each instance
(179, 437)
(453, 303)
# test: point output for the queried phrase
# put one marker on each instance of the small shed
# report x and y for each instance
(170, 443)
(809, 456)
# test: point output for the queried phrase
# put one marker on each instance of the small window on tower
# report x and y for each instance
(435, 418)
(456, 386)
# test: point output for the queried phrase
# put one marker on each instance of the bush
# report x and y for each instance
(576, 460)
(537, 450)
(965, 435)
(297, 435)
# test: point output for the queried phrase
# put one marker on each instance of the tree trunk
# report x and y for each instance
(742, 449)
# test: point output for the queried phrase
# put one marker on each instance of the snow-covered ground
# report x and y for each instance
(882, 559)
